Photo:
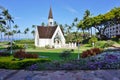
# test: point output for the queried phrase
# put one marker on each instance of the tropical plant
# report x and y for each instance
(92, 40)
(26, 31)
(101, 22)
(2, 17)
(16, 27)
(43, 24)
(33, 32)
(19, 32)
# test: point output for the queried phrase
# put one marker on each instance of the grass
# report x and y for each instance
(53, 54)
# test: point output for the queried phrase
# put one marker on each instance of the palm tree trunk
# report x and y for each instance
(83, 34)
(19, 35)
(1, 34)
(95, 30)
(91, 31)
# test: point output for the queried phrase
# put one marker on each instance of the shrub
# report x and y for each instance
(66, 54)
(23, 54)
(4, 54)
(13, 43)
(91, 52)
(25, 41)
(109, 43)
(100, 44)
(21, 64)
(20, 54)
(96, 50)
(47, 47)
(28, 55)
(93, 40)
(16, 47)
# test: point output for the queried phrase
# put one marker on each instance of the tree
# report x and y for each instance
(62, 28)
(2, 17)
(33, 32)
(33, 26)
(43, 24)
(19, 32)
(101, 21)
(55, 23)
(13, 33)
(86, 19)
(93, 40)
(16, 27)
(26, 31)
(76, 19)
(1, 27)
(9, 20)
(81, 26)
(3, 31)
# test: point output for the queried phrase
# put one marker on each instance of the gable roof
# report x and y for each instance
(46, 32)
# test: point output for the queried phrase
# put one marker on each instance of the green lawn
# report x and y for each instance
(53, 54)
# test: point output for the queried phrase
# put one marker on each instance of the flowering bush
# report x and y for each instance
(91, 52)
(105, 60)
(23, 54)
(19, 54)
(33, 67)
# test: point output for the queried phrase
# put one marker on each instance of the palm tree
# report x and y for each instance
(19, 32)
(2, 17)
(1, 27)
(43, 24)
(8, 18)
(33, 32)
(8, 34)
(3, 31)
(86, 18)
(55, 23)
(33, 26)
(9, 21)
(76, 19)
(13, 33)
(62, 28)
(26, 31)
(16, 27)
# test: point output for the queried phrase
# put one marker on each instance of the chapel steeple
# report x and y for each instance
(50, 18)
(50, 14)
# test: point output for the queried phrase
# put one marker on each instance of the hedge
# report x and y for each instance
(22, 64)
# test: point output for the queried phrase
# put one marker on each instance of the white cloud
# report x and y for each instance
(17, 18)
(72, 10)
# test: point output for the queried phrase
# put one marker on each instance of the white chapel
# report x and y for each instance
(49, 35)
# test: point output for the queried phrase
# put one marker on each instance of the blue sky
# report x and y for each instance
(33, 12)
